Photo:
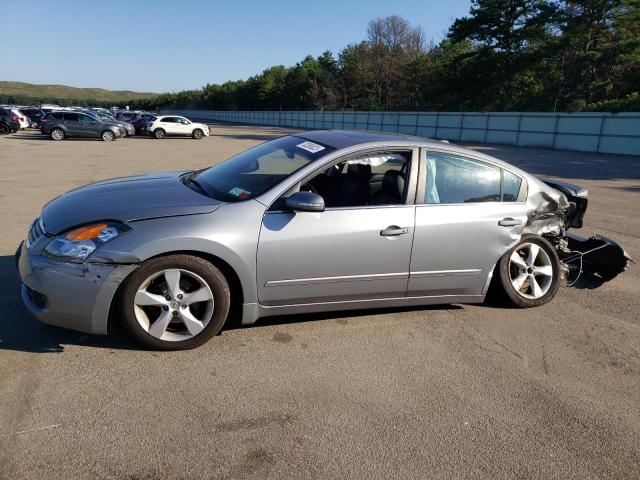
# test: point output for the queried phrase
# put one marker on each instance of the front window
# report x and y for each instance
(259, 169)
(86, 120)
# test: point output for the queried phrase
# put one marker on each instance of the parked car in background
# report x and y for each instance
(127, 115)
(141, 121)
(61, 125)
(35, 116)
(174, 125)
(22, 119)
(9, 122)
(107, 117)
(316, 221)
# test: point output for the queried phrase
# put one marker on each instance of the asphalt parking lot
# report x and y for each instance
(438, 392)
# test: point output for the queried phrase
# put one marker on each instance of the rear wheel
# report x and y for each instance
(197, 134)
(57, 134)
(108, 136)
(159, 133)
(175, 302)
(4, 129)
(530, 272)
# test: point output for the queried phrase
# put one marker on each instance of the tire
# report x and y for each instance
(108, 136)
(4, 129)
(156, 293)
(159, 133)
(516, 267)
(197, 134)
(57, 134)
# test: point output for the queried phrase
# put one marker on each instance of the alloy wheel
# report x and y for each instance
(530, 271)
(174, 305)
(57, 134)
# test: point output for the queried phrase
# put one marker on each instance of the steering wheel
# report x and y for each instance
(307, 187)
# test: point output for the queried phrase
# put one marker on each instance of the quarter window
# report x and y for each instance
(510, 187)
(455, 179)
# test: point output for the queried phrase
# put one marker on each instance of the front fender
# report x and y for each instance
(230, 233)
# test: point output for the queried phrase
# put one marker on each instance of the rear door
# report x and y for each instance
(72, 122)
(170, 125)
(469, 212)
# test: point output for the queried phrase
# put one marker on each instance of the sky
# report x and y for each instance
(172, 45)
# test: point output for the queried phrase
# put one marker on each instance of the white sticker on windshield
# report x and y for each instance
(310, 147)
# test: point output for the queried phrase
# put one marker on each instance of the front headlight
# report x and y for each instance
(77, 244)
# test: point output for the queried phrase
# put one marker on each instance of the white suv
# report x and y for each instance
(165, 125)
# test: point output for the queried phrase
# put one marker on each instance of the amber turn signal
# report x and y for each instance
(87, 232)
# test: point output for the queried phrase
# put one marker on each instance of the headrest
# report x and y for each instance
(363, 172)
(393, 181)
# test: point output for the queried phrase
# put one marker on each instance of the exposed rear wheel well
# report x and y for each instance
(237, 295)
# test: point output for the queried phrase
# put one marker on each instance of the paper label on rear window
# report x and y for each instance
(310, 147)
(239, 192)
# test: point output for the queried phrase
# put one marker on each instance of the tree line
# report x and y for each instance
(505, 55)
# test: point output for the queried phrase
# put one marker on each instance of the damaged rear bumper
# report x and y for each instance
(597, 255)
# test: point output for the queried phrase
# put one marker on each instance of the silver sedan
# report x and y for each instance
(317, 221)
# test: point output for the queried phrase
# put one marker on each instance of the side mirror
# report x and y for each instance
(305, 202)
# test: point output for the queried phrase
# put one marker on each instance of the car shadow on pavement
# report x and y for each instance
(20, 332)
(43, 137)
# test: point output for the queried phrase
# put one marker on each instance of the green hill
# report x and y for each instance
(20, 92)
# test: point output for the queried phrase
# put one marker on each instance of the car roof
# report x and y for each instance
(348, 138)
(345, 139)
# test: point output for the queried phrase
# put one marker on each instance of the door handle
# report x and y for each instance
(509, 222)
(394, 231)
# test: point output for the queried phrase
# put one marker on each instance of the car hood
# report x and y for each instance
(125, 199)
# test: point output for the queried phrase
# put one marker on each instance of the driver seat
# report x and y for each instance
(391, 190)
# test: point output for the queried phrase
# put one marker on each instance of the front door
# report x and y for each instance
(89, 127)
(358, 248)
(335, 255)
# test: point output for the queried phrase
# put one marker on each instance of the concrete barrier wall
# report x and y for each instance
(589, 132)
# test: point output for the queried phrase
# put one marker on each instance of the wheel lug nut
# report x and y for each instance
(183, 306)
(167, 297)
(165, 308)
(179, 296)
(174, 313)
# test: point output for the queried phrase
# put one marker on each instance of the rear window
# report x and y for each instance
(455, 179)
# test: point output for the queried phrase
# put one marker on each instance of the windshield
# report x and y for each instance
(255, 171)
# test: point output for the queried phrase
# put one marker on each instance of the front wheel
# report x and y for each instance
(108, 136)
(197, 134)
(530, 272)
(57, 134)
(175, 302)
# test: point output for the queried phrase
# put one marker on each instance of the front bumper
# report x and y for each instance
(71, 295)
